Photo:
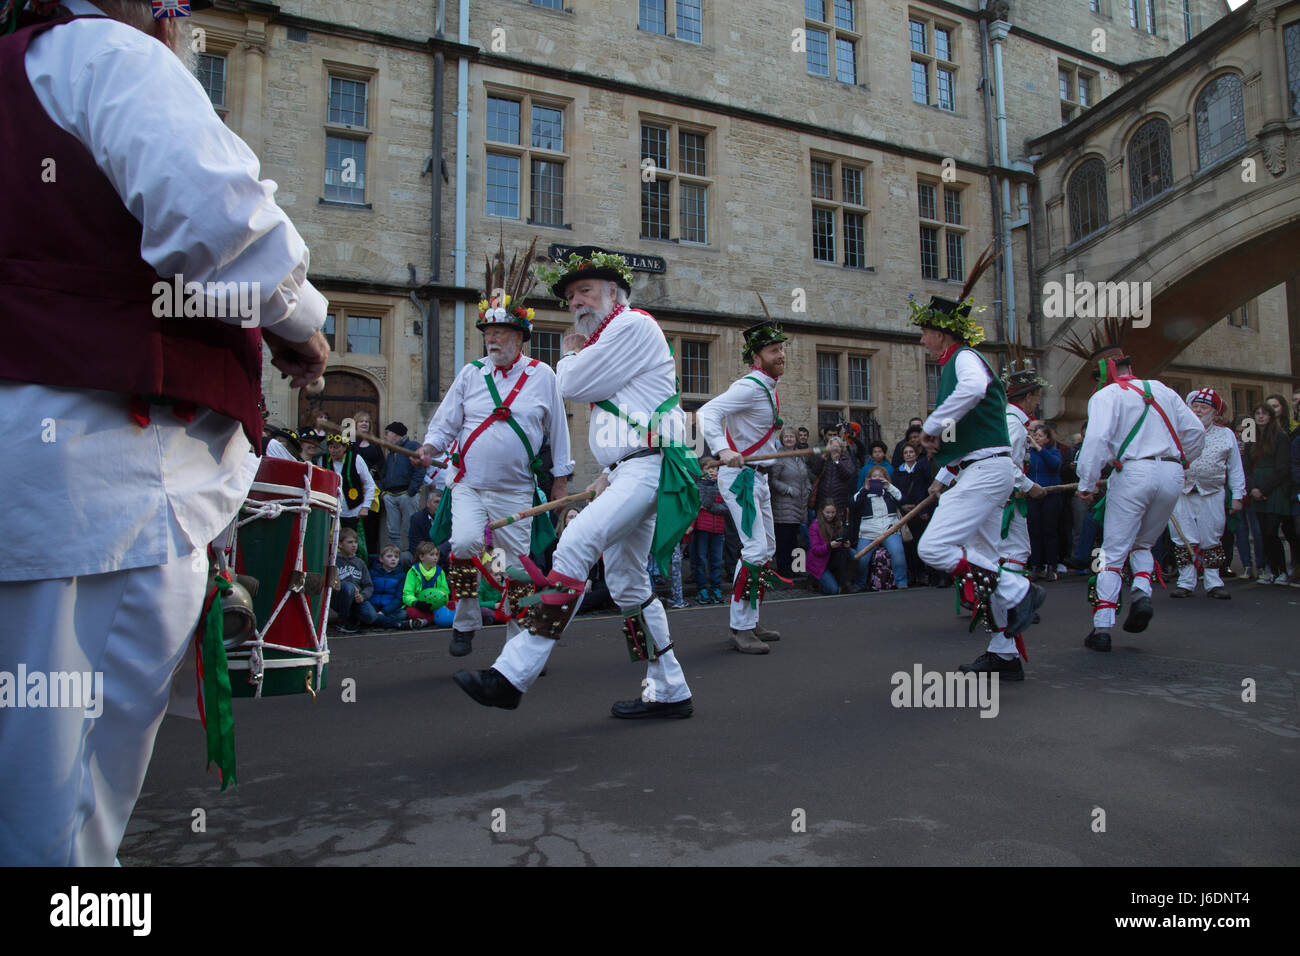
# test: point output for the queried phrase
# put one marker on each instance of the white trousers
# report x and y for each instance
(758, 547)
(968, 522)
(72, 774)
(1201, 518)
(620, 524)
(1013, 549)
(1139, 499)
(471, 510)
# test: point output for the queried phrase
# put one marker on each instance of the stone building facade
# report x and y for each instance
(833, 155)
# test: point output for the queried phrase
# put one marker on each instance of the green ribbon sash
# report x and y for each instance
(678, 501)
(219, 718)
(743, 489)
(1014, 504)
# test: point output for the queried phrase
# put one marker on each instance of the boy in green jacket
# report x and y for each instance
(425, 592)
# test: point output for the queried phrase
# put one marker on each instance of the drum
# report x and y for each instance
(286, 537)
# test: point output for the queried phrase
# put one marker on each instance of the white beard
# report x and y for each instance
(588, 322)
(499, 358)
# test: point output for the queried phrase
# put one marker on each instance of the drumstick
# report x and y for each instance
(1070, 487)
(572, 499)
(899, 523)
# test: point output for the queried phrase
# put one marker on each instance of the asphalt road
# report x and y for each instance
(798, 757)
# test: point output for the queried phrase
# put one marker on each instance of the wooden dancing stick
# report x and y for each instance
(1072, 486)
(572, 499)
(786, 453)
(899, 523)
(412, 453)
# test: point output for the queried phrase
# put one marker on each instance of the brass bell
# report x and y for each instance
(239, 624)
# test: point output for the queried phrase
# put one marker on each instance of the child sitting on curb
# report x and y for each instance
(352, 599)
(426, 590)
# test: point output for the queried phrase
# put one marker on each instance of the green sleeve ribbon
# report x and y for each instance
(219, 718)
(743, 489)
(1014, 504)
(440, 530)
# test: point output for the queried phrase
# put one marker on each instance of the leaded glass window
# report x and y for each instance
(1150, 169)
(1086, 194)
(1220, 120)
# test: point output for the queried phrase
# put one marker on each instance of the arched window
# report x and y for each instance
(1150, 170)
(1086, 194)
(1220, 120)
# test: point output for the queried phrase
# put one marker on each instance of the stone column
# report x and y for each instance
(254, 49)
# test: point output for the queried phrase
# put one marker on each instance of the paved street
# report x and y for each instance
(1155, 734)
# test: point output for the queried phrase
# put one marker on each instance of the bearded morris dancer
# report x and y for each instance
(646, 497)
(1024, 394)
(742, 421)
(968, 434)
(1149, 452)
(1198, 518)
(497, 410)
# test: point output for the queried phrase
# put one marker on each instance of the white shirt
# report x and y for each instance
(190, 181)
(631, 366)
(1112, 413)
(745, 410)
(973, 378)
(1220, 459)
(275, 449)
(496, 461)
(1016, 422)
(104, 494)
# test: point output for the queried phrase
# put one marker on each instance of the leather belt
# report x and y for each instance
(639, 453)
(1156, 458)
(975, 461)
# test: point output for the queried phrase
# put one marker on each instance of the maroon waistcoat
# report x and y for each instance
(76, 298)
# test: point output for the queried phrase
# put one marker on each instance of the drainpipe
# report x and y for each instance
(999, 31)
(986, 86)
(462, 132)
(433, 314)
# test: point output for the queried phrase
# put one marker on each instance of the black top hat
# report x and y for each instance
(760, 336)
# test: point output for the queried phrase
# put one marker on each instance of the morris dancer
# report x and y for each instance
(1199, 513)
(974, 458)
(499, 409)
(1024, 394)
(1149, 453)
(620, 361)
(155, 417)
(742, 421)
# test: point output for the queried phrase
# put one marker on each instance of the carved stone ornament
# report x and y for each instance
(1274, 144)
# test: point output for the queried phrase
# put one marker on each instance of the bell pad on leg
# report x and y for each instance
(640, 643)
(462, 577)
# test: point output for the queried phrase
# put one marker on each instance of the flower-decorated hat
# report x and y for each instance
(954, 316)
(585, 262)
(765, 333)
(1019, 377)
(507, 289)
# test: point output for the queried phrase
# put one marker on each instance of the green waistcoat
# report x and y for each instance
(984, 426)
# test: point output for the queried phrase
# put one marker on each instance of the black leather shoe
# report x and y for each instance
(1221, 593)
(1022, 615)
(1139, 615)
(988, 663)
(462, 642)
(631, 709)
(1097, 640)
(489, 688)
(1180, 593)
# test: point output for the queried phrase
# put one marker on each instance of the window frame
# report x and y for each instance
(223, 108)
(671, 15)
(843, 406)
(527, 153)
(834, 35)
(1104, 204)
(1074, 105)
(929, 60)
(1241, 141)
(1164, 160)
(942, 227)
(335, 129)
(346, 309)
(841, 209)
(540, 329)
(675, 177)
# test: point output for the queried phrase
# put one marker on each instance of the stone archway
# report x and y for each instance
(345, 394)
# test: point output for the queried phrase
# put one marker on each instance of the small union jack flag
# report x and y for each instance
(170, 8)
